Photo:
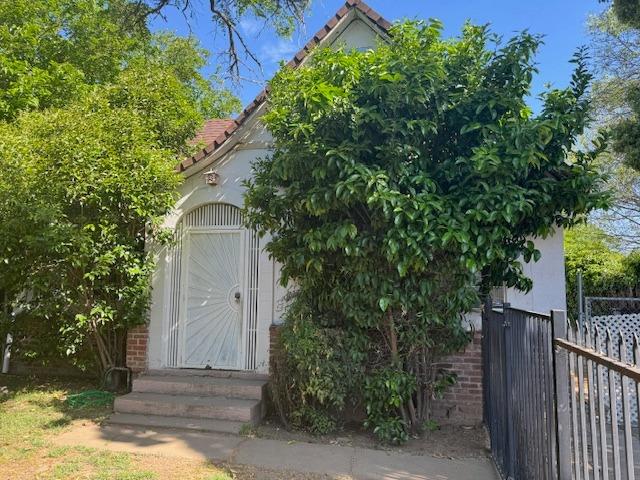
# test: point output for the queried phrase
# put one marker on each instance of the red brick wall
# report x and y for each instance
(274, 333)
(462, 402)
(137, 339)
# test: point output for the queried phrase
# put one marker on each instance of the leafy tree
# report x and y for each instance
(591, 251)
(616, 52)
(88, 160)
(403, 177)
(54, 51)
(607, 271)
(51, 49)
(627, 11)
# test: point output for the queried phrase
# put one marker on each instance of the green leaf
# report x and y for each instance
(384, 303)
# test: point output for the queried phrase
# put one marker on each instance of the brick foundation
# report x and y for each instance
(137, 339)
(274, 345)
(462, 402)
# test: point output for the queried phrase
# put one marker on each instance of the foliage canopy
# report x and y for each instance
(589, 250)
(401, 179)
(95, 119)
(616, 50)
(54, 51)
(627, 11)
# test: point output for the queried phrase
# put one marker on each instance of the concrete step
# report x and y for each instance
(200, 386)
(190, 406)
(192, 372)
(184, 423)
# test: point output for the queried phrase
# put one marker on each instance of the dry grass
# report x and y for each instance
(33, 412)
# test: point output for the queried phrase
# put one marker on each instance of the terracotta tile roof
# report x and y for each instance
(211, 130)
(232, 125)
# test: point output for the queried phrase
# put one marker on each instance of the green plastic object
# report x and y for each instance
(90, 399)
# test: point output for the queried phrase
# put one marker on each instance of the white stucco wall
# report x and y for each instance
(249, 143)
(357, 35)
(547, 274)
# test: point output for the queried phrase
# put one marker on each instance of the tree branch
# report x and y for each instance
(227, 14)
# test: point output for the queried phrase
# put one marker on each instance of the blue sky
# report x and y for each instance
(562, 22)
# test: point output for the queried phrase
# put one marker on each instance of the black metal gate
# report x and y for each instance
(519, 391)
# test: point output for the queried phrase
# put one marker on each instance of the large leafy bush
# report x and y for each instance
(96, 117)
(401, 179)
(317, 371)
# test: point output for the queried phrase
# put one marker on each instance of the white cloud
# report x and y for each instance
(280, 50)
(250, 26)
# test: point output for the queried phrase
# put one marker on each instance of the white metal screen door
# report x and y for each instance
(212, 321)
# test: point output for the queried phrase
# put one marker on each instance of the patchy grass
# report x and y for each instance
(247, 430)
(33, 411)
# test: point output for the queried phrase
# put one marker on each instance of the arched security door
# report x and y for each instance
(214, 270)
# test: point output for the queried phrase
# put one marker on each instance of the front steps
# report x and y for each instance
(200, 386)
(203, 400)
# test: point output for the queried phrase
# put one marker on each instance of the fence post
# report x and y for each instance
(581, 315)
(488, 304)
(509, 394)
(562, 393)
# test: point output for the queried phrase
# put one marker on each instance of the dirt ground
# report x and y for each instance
(448, 441)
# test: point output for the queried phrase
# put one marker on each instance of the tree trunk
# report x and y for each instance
(102, 347)
(393, 338)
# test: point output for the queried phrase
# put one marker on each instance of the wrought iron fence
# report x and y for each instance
(561, 401)
(519, 391)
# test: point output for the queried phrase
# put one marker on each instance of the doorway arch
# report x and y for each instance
(212, 297)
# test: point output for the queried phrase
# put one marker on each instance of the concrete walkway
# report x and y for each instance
(338, 461)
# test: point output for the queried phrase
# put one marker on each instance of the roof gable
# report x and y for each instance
(214, 143)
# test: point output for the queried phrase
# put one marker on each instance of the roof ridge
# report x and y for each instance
(377, 19)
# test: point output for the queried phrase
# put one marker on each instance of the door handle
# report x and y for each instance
(237, 296)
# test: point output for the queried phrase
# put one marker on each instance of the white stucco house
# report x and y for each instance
(216, 293)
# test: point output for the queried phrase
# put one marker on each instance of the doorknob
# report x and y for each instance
(237, 296)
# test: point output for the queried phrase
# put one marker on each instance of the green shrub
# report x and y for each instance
(316, 373)
(385, 391)
(93, 117)
(315, 420)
